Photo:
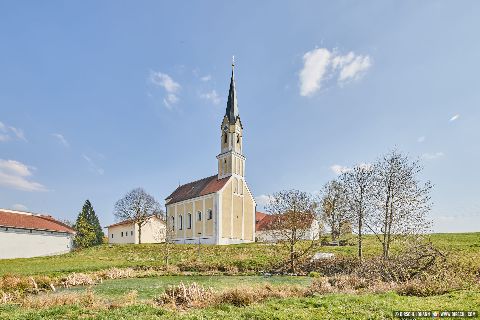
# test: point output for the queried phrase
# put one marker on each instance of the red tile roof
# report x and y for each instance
(120, 223)
(197, 189)
(264, 221)
(27, 220)
(129, 221)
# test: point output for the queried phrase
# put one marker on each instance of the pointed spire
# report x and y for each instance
(232, 108)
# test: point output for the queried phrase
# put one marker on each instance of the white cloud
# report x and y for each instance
(321, 64)
(211, 96)
(170, 86)
(315, 66)
(61, 139)
(206, 78)
(169, 100)
(339, 169)
(455, 117)
(19, 207)
(432, 156)
(421, 139)
(355, 69)
(263, 199)
(93, 166)
(7, 132)
(14, 174)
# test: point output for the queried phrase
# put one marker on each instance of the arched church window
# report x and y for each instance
(225, 138)
(238, 138)
(210, 214)
(189, 221)
(199, 215)
(180, 225)
(173, 223)
(235, 185)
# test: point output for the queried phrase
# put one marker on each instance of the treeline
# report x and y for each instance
(386, 198)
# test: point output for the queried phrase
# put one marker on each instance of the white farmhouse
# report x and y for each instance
(153, 231)
(25, 235)
(265, 232)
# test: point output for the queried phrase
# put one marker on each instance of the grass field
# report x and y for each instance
(148, 288)
(248, 259)
(245, 257)
(334, 306)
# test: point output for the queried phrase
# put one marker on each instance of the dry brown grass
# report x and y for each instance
(79, 279)
(48, 300)
(192, 295)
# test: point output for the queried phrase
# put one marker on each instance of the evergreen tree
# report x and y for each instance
(85, 236)
(88, 217)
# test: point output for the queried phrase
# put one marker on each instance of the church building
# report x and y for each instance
(219, 209)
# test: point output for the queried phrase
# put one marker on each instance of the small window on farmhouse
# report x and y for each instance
(180, 227)
(189, 221)
(210, 214)
(199, 215)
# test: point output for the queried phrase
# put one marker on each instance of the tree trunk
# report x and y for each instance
(292, 259)
(139, 233)
(360, 235)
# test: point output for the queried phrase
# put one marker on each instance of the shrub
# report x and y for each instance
(314, 274)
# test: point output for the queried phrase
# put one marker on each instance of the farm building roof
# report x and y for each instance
(128, 221)
(264, 221)
(32, 221)
(197, 189)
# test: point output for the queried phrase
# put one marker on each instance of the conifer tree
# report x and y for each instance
(85, 233)
(88, 217)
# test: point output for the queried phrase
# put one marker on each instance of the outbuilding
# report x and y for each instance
(153, 231)
(26, 234)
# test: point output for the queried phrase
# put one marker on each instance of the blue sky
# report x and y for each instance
(99, 97)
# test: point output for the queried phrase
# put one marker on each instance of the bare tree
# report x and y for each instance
(293, 213)
(137, 206)
(169, 240)
(334, 209)
(401, 200)
(357, 184)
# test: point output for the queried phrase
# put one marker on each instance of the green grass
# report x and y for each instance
(333, 306)
(461, 248)
(245, 257)
(148, 288)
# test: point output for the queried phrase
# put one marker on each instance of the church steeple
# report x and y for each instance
(232, 107)
(231, 160)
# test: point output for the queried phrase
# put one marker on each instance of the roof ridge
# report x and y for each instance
(52, 219)
(209, 177)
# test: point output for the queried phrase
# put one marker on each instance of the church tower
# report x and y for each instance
(219, 209)
(231, 161)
